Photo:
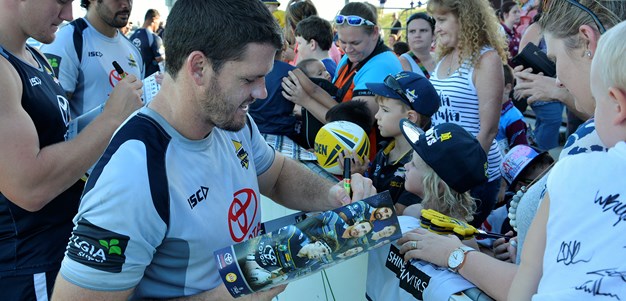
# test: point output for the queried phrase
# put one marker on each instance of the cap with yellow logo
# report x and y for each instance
(454, 153)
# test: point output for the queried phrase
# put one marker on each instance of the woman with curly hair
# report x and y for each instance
(469, 79)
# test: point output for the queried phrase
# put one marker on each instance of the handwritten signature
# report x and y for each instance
(594, 286)
(567, 253)
(612, 203)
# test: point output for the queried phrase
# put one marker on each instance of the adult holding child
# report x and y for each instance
(470, 81)
(367, 59)
(420, 34)
(569, 33)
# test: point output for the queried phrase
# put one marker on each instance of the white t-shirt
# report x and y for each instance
(585, 230)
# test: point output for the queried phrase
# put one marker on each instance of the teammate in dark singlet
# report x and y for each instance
(39, 170)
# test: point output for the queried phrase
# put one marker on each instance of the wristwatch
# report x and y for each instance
(457, 258)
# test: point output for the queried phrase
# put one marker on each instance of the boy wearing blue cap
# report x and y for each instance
(404, 95)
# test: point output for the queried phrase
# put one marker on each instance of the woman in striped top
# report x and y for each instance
(470, 81)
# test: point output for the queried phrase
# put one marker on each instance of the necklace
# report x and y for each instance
(517, 197)
(450, 64)
(514, 203)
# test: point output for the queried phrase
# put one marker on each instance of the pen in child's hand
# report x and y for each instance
(119, 69)
(346, 175)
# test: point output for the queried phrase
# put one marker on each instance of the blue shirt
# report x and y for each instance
(274, 114)
(149, 45)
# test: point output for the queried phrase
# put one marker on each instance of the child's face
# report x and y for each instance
(414, 175)
(304, 49)
(390, 111)
(605, 111)
(317, 70)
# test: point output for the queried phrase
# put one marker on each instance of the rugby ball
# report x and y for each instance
(336, 137)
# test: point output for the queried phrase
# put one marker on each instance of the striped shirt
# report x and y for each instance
(459, 104)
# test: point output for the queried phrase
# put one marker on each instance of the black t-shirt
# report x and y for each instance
(390, 176)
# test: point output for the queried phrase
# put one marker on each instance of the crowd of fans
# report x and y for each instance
(456, 121)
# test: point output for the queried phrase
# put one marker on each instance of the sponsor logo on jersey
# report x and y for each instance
(97, 247)
(64, 108)
(54, 61)
(114, 77)
(198, 196)
(242, 215)
(137, 42)
(131, 61)
(242, 154)
(35, 81)
(94, 54)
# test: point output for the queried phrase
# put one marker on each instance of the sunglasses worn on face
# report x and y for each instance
(393, 84)
(352, 20)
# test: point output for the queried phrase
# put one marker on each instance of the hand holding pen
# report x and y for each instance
(125, 98)
(119, 69)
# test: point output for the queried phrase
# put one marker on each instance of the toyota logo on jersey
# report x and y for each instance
(242, 215)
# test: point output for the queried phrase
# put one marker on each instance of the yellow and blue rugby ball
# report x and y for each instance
(336, 137)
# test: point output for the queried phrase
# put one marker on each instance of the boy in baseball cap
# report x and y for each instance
(404, 95)
(448, 162)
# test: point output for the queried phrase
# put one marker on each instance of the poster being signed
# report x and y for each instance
(288, 251)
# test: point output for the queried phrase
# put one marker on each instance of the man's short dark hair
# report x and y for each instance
(354, 111)
(84, 4)
(220, 29)
(151, 14)
(318, 29)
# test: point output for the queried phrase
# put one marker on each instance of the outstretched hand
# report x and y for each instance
(357, 165)
(297, 87)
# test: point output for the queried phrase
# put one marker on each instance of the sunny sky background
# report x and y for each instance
(326, 8)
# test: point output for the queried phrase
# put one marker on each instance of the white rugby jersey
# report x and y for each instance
(91, 80)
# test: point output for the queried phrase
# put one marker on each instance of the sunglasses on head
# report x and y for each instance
(593, 16)
(410, 130)
(391, 83)
(352, 20)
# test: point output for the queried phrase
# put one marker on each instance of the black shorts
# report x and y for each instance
(28, 287)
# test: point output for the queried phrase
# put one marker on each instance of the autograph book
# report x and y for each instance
(301, 244)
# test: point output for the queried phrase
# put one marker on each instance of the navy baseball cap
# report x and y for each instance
(450, 150)
(413, 89)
